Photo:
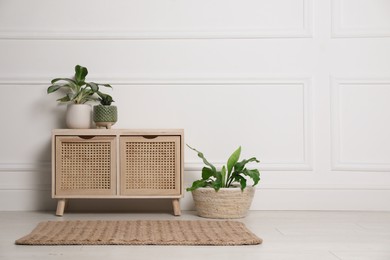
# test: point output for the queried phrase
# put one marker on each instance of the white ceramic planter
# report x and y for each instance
(79, 116)
(225, 203)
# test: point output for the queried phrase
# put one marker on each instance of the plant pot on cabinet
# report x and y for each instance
(224, 203)
(105, 116)
(78, 116)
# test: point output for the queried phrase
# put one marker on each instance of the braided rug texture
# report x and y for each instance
(140, 232)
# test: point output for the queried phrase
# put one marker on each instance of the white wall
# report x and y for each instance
(304, 85)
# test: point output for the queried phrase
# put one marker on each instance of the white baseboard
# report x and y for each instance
(31, 190)
(265, 199)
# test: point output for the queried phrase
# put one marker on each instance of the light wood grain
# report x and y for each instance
(104, 168)
(61, 204)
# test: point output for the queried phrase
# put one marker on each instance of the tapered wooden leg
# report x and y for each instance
(60, 207)
(176, 207)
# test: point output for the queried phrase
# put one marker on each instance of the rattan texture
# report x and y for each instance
(150, 166)
(226, 203)
(140, 232)
(85, 166)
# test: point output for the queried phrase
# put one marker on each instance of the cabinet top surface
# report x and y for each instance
(117, 131)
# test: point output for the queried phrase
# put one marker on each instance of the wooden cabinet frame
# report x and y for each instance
(117, 164)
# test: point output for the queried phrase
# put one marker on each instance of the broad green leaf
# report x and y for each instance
(253, 174)
(207, 173)
(200, 155)
(94, 87)
(53, 88)
(70, 83)
(241, 180)
(81, 73)
(233, 159)
(63, 79)
(217, 184)
(242, 183)
(197, 184)
(239, 166)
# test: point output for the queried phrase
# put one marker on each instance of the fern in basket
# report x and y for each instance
(231, 174)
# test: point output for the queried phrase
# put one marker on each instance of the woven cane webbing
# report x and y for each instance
(84, 166)
(150, 165)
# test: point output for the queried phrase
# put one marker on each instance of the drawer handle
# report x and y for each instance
(86, 136)
(149, 136)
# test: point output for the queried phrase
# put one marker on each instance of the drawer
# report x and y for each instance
(85, 165)
(150, 165)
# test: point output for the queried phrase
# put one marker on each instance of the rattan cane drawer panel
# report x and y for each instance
(85, 166)
(150, 166)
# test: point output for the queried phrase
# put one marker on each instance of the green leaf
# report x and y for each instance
(70, 84)
(63, 79)
(64, 99)
(197, 184)
(105, 99)
(233, 159)
(217, 184)
(94, 87)
(253, 174)
(106, 85)
(200, 155)
(233, 177)
(241, 180)
(83, 96)
(207, 173)
(242, 183)
(81, 73)
(240, 165)
(53, 88)
(223, 176)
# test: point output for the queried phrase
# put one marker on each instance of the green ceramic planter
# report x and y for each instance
(105, 116)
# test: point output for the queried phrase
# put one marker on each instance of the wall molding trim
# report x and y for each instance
(304, 32)
(201, 79)
(17, 182)
(337, 163)
(304, 82)
(25, 167)
(340, 31)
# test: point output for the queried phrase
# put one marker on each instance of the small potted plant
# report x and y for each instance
(224, 193)
(105, 115)
(77, 93)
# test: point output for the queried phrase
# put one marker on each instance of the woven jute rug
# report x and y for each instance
(140, 232)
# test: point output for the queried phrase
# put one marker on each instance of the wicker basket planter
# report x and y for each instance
(226, 203)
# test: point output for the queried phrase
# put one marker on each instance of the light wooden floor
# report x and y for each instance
(287, 235)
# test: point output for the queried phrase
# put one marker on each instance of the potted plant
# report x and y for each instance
(77, 93)
(224, 193)
(105, 115)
